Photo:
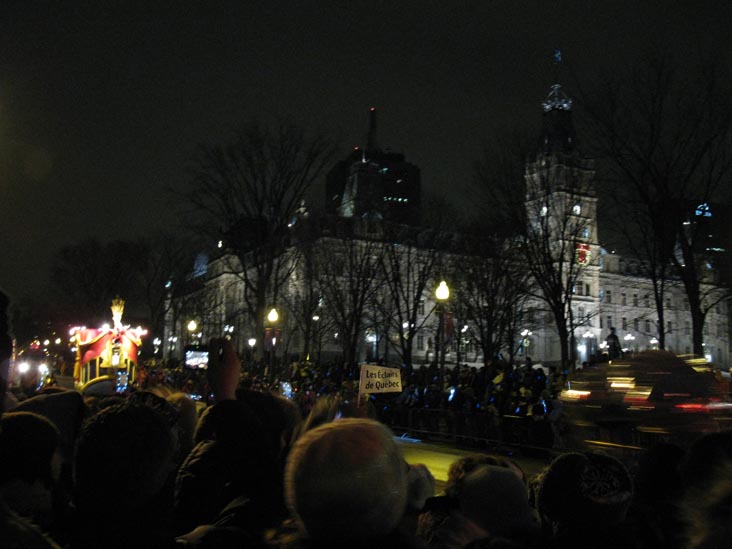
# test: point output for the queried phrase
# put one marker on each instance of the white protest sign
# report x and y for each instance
(379, 379)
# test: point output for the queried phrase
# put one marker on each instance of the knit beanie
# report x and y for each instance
(585, 489)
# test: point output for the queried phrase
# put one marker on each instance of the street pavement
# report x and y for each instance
(439, 457)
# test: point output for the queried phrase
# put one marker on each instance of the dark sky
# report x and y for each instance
(102, 103)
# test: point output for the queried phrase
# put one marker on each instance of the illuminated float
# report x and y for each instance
(106, 358)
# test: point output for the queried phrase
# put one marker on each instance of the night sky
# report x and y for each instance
(102, 104)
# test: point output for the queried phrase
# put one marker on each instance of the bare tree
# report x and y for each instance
(88, 275)
(653, 255)
(492, 287)
(558, 245)
(409, 265)
(161, 264)
(667, 138)
(303, 299)
(551, 216)
(347, 273)
(246, 194)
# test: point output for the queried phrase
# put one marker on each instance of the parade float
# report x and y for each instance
(106, 357)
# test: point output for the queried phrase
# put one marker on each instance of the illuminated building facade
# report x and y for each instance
(372, 187)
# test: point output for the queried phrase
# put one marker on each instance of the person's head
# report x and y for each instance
(584, 489)
(496, 499)
(707, 513)
(658, 476)
(709, 452)
(188, 418)
(30, 461)
(347, 480)
(123, 458)
(329, 408)
(463, 466)
(280, 418)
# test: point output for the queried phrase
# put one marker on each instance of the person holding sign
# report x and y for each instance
(379, 379)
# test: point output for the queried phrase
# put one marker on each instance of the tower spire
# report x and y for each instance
(371, 138)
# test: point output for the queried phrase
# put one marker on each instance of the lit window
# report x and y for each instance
(576, 209)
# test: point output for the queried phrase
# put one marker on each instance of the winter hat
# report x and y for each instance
(65, 410)
(27, 444)
(495, 498)
(585, 488)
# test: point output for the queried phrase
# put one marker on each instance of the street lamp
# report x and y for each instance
(192, 327)
(272, 318)
(629, 338)
(442, 293)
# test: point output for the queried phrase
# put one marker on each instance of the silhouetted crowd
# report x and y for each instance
(245, 466)
(154, 468)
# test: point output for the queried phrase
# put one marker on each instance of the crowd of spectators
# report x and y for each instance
(472, 403)
(154, 468)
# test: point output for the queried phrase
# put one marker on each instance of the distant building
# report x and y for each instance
(374, 184)
(371, 192)
(613, 290)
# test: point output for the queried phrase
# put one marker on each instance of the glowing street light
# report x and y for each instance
(442, 293)
(272, 317)
(192, 326)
